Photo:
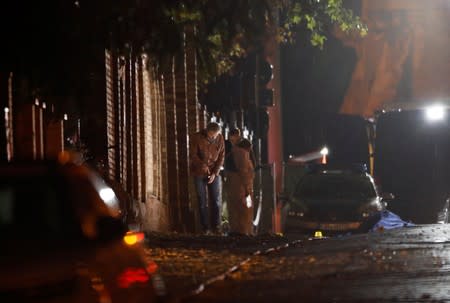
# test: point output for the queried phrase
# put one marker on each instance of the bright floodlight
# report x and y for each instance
(107, 195)
(324, 151)
(435, 113)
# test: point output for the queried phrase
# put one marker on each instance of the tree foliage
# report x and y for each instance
(62, 37)
(228, 30)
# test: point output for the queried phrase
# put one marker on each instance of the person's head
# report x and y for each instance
(234, 135)
(212, 130)
(245, 144)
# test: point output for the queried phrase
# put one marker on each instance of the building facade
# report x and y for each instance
(404, 56)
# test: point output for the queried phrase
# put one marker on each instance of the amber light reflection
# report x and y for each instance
(132, 238)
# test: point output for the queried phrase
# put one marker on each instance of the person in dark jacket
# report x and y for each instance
(234, 135)
(207, 153)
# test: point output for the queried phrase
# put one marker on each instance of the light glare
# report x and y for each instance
(318, 234)
(131, 238)
(435, 113)
(107, 195)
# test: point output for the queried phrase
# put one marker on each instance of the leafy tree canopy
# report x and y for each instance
(228, 30)
(57, 37)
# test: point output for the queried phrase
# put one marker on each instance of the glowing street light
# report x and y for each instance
(324, 153)
(435, 113)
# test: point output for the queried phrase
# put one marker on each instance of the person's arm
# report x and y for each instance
(221, 156)
(196, 161)
(252, 158)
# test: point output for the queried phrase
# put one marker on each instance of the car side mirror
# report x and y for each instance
(110, 228)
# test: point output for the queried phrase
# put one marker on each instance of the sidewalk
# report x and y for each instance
(188, 261)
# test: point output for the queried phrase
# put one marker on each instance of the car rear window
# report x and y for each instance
(329, 186)
(30, 204)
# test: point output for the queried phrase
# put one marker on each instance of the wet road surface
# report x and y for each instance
(410, 264)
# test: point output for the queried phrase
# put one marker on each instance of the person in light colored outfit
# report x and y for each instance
(239, 185)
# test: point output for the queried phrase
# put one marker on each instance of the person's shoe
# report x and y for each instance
(208, 233)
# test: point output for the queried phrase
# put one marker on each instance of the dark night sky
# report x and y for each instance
(314, 83)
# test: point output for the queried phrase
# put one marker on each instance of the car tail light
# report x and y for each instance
(132, 238)
(132, 276)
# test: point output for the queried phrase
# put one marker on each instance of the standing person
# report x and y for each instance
(234, 135)
(207, 152)
(240, 175)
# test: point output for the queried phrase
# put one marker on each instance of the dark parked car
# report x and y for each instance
(332, 200)
(63, 240)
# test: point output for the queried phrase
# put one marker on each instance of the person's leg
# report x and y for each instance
(215, 190)
(200, 187)
(225, 205)
(249, 211)
(234, 183)
(248, 225)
